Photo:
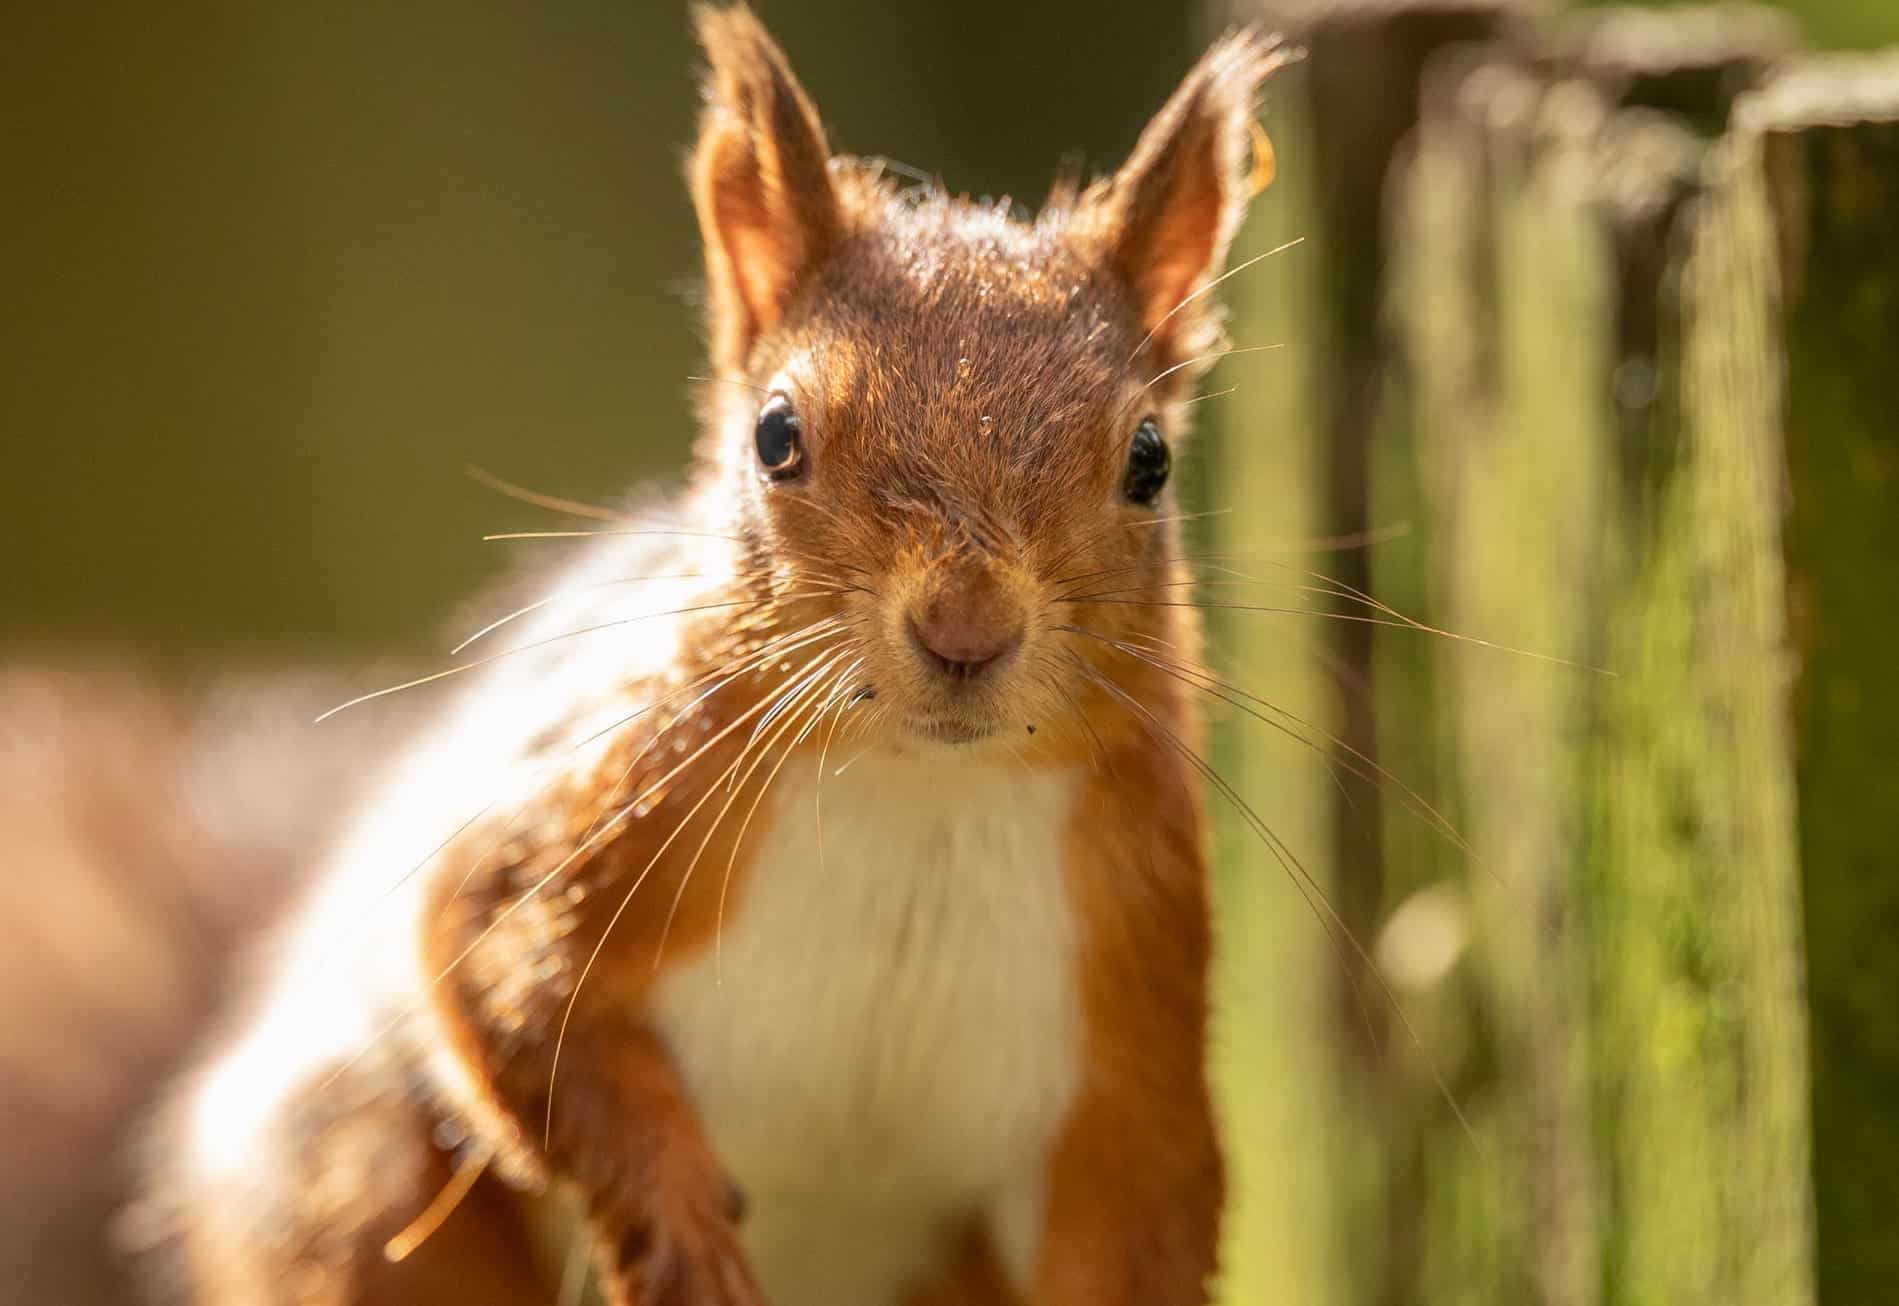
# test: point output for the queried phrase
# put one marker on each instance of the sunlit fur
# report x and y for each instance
(968, 383)
(964, 396)
(545, 881)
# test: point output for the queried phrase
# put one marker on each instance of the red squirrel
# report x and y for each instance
(810, 890)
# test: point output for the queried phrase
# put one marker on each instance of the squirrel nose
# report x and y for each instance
(967, 624)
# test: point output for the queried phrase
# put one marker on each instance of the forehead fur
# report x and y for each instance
(950, 339)
(936, 277)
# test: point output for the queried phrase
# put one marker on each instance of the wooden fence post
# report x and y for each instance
(1611, 337)
(1592, 373)
(1306, 1121)
(1823, 141)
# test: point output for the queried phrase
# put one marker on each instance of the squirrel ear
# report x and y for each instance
(1172, 209)
(760, 182)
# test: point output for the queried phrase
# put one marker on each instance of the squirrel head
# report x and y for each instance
(959, 416)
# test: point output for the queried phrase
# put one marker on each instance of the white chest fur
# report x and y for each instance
(888, 1036)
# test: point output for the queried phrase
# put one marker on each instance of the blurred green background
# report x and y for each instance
(275, 273)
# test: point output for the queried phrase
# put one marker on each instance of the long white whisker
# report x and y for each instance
(822, 703)
(792, 693)
(1214, 357)
(1302, 879)
(567, 1015)
(1206, 287)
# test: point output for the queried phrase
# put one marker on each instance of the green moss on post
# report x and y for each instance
(1701, 1062)
(1592, 384)
(1292, 461)
(1632, 397)
(1507, 295)
(1300, 1058)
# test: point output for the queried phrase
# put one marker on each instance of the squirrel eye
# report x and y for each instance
(780, 452)
(1148, 465)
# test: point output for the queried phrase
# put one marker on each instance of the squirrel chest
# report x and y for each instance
(886, 1038)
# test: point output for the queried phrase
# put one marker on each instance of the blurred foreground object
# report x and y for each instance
(147, 834)
(1600, 310)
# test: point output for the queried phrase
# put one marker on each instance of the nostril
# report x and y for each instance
(961, 652)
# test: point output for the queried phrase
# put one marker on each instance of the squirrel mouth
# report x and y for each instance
(951, 732)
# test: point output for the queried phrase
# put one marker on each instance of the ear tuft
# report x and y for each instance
(1172, 209)
(760, 181)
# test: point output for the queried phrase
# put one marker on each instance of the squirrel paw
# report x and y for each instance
(680, 1259)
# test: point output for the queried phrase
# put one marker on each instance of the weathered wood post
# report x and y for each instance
(1819, 149)
(1628, 395)
(1307, 1119)
(1594, 397)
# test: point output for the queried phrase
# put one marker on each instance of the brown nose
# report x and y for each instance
(966, 624)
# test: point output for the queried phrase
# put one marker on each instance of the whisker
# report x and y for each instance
(419, 1230)
(585, 846)
(1146, 564)
(595, 535)
(823, 703)
(728, 380)
(730, 672)
(733, 782)
(1357, 539)
(854, 759)
(1213, 357)
(1354, 617)
(817, 786)
(1063, 558)
(1322, 544)
(1096, 750)
(529, 647)
(1180, 516)
(560, 1038)
(1302, 878)
(771, 649)
(1207, 287)
(502, 536)
(1235, 578)
(572, 507)
(538, 604)
(727, 675)
(1229, 693)
(1211, 394)
(784, 704)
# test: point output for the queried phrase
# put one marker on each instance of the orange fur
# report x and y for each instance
(1136, 1180)
(966, 386)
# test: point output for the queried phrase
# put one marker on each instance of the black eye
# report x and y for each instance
(780, 452)
(1148, 465)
